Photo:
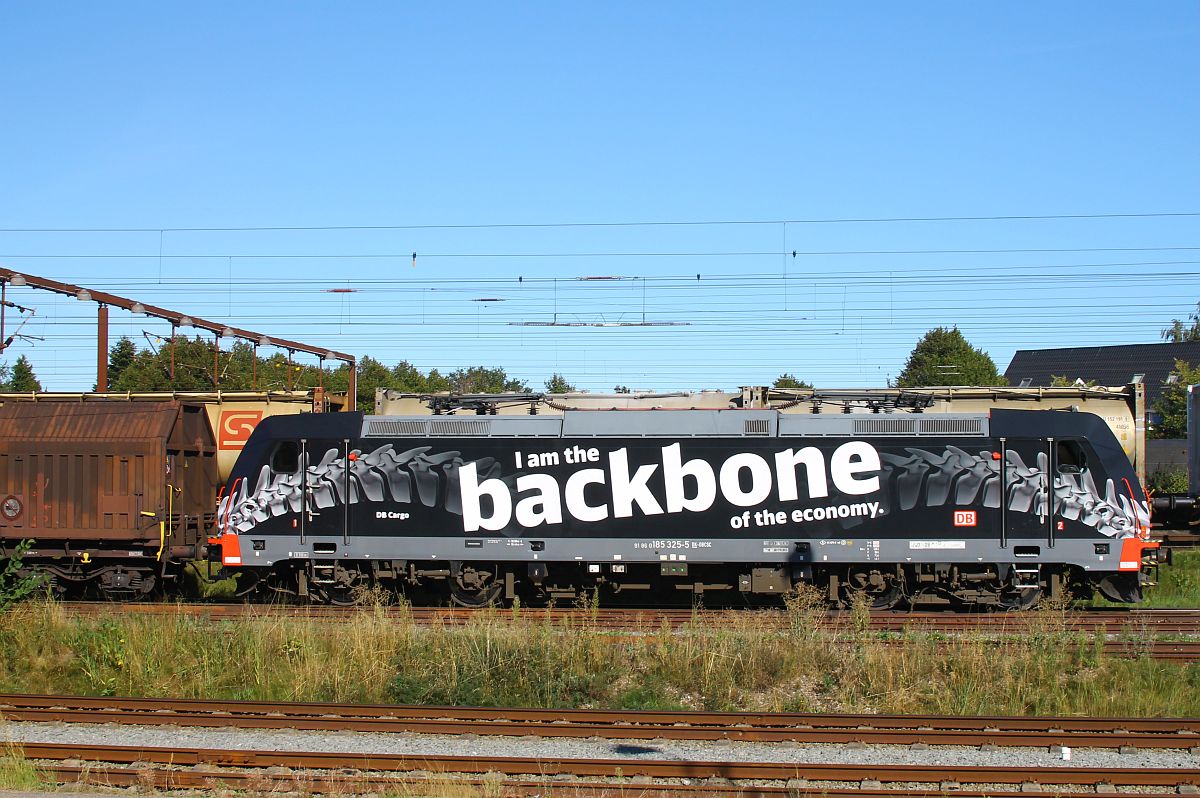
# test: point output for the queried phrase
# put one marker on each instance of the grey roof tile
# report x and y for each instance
(1107, 365)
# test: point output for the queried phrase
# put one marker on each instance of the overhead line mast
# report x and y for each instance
(177, 319)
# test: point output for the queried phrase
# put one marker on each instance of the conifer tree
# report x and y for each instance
(23, 380)
(944, 357)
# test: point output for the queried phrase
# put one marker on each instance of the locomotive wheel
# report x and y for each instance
(275, 587)
(345, 589)
(1019, 599)
(882, 590)
(340, 596)
(472, 587)
(251, 585)
(884, 599)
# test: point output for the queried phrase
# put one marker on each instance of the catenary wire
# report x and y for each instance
(551, 225)
(466, 255)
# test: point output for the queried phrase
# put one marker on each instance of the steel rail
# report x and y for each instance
(343, 783)
(347, 784)
(1181, 733)
(1178, 540)
(1159, 621)
(1182, 650)
(609, 768)
(1138, 632)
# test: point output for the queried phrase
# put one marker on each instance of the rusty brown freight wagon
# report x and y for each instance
(116, 495)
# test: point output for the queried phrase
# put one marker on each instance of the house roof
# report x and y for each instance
(1107, 365)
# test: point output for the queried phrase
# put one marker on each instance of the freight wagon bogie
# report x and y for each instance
(128, 572)
(973, 510)
(88, 576)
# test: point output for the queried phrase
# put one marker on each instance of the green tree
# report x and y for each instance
(787, 380)
(621, 389)
(243, 370)
(480, 379)
(143, 373)
(240, 368)
(23, 380)
(1172, 403)
(194, 362)
(558, 384)
(1181, 331)
(408, 378)
(1167, 479)
(437, 382)
(1062, 381)
(371, 375)
(944, 357)
(336, 378)
(120, 356)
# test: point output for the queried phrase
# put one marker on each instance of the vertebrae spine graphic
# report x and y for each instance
(1076, 496)
(416, 475)
(405, 477)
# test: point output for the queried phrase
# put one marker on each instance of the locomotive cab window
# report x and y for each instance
(286, 459)
(1071, 459)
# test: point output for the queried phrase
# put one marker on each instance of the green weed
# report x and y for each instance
(18, 773)
(744, 661)
(1178, 585)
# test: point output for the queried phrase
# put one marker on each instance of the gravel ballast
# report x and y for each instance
(575, 748)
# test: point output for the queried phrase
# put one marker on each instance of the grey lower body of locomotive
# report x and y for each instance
(1020, 560)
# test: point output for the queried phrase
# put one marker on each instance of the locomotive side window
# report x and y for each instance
(286, 459)
(1071, 459)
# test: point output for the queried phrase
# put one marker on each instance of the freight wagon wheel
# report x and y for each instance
(122, 585)
(474, 587)
(121, 596)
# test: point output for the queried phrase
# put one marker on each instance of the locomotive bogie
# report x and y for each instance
(471, 584)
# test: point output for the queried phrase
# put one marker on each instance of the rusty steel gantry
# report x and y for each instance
(104, 299)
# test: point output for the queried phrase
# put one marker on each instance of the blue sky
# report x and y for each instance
(160, 116)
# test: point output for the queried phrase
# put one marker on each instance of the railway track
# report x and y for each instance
(168, 767)
(1176, 733)
(208, 768)
(1178, 541)
(1159, 634)
(1182, 622)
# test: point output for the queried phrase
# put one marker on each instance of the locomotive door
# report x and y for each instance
(1027, 506)
(326, 487)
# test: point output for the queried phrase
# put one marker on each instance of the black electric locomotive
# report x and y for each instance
(990, 510)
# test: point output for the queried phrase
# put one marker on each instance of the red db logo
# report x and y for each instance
(235, 427)
(964, 518)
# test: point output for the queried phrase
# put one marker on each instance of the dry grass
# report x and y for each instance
(522, 657)
(17, 772)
